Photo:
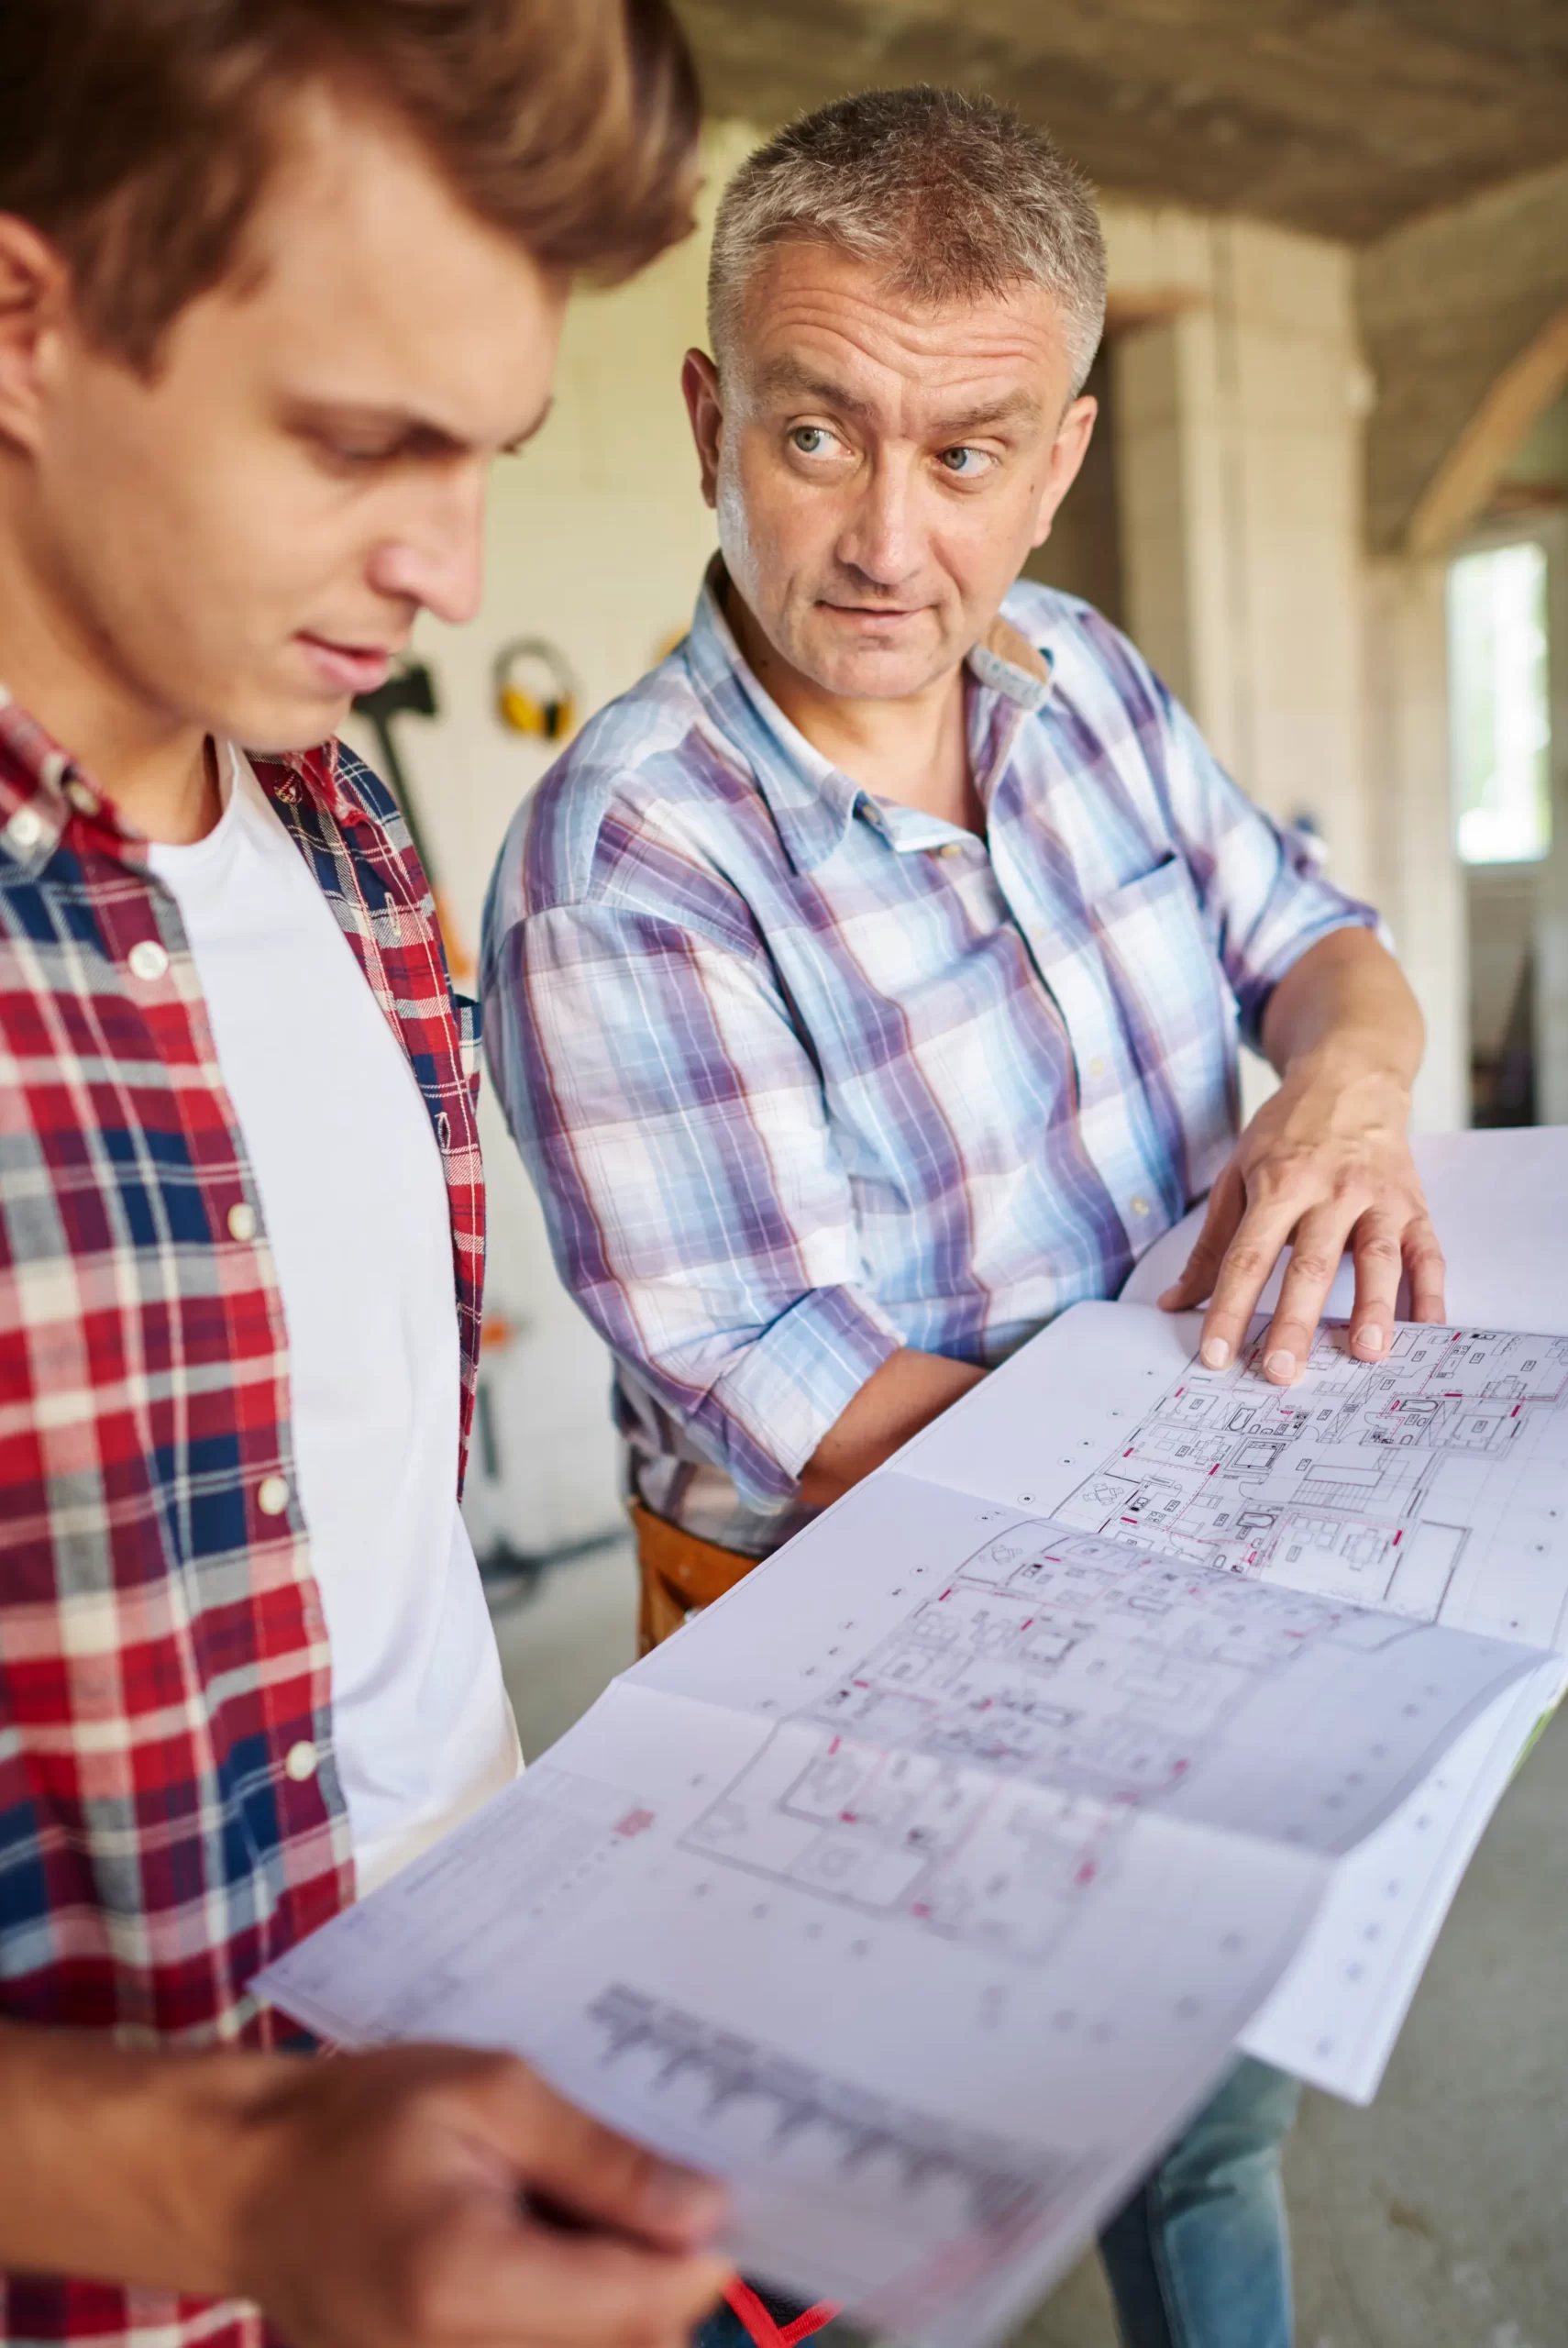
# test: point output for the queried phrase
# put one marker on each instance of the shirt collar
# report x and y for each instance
(43, 788)
(319, 770)
(812, 801)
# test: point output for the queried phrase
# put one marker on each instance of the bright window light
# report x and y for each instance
(1500, 708)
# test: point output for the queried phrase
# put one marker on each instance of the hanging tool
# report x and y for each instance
(410, 692)
(536, 691)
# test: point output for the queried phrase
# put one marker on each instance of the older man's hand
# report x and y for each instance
(1325, 1165)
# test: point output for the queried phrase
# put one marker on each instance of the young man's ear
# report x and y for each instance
(700, 384)
(34, 299)
(1067, 452)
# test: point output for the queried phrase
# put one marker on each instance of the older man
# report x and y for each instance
(865, 985)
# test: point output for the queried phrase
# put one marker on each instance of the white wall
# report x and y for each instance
(1319, 680)
(1419, 882)
(1239, 442)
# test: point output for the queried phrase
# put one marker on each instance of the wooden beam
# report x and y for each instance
(1470, 471)
(1130, 307)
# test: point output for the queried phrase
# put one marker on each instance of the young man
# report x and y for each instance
(279, 278)
(865, 985)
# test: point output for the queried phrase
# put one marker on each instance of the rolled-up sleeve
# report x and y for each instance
(1265, 902)
(674, 1125)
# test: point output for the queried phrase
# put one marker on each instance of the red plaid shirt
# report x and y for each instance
(170, 1817)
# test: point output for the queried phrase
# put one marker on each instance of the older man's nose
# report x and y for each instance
(879, 539)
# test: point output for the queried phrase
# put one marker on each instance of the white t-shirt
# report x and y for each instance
(354, 1208)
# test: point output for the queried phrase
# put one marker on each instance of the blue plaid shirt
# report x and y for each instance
(804, 1076)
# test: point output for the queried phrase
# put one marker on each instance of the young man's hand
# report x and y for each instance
(422, 2197)
(1325, 1165)
(419, 2197)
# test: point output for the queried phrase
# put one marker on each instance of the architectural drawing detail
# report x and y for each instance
(1362, 1482)
(973, 1773)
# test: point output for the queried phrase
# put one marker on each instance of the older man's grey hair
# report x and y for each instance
(953, 198)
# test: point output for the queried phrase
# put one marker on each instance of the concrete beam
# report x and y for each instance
(1325, 116)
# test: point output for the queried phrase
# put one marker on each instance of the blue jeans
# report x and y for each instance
(1200, 2257)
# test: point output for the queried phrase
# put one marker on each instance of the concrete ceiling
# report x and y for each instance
(1341, 117)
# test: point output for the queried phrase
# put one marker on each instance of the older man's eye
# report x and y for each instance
(965, 464)
(811, 439)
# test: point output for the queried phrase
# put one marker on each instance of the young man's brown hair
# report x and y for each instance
(139, 133)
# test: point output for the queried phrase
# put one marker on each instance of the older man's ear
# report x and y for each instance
(700, 388)
(1062, 466)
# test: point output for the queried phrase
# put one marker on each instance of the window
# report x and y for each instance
(1498, 704)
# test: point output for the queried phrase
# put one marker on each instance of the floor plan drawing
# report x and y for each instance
(1363, 1481)
(974, 1772)
(921, 1887)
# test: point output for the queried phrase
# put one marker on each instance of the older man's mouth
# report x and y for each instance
(875, 615)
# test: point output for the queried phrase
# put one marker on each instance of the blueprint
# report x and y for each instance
(1433, 1484)
(1363, 1481)
(973, 1769)
(923, 1884)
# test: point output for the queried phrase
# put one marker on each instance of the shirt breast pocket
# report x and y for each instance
(1177, 1014)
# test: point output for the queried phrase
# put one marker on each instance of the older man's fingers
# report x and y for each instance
(1376, 1246)
(1315, 1249)
(1227, 1202)
(1426, 1270)
(1251, 1257)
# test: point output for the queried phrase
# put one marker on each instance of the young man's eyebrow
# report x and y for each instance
(403, 426)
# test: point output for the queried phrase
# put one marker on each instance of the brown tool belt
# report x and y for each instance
(679, 1574)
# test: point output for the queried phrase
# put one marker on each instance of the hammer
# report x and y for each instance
(410, 692)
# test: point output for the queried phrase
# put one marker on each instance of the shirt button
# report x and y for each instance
(272, 1495)
(242, 1220)
(300, 1760)
(1096, 1069)
(951, 847)
(82, 797)
(1140, 1206)
(26, 828)
(148, 959)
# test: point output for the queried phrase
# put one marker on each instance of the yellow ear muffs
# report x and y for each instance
(536, 691)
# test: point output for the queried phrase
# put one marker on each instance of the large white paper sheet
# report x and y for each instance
(909, 2124)
(1334, 2019)
(921, 1887)
(1435, 1484)
(926, 1885)
(1496, 1201)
